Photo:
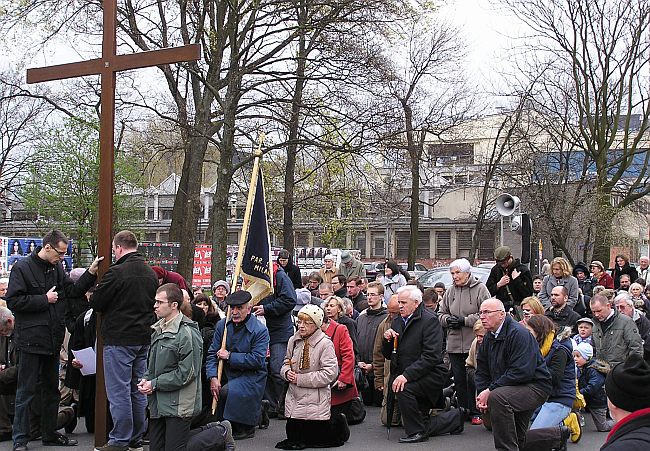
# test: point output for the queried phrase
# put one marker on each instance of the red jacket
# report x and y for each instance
(345, 356)
(606, 281)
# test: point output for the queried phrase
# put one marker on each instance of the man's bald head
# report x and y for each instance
(393, 306)
(492, 314)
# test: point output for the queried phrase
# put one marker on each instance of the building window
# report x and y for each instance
(402, 244)
(150, 214)
(233, 238)
(150, 236)
(463, 243)
(164, 237)
(423, 250)
(301, 239)
(443, 244)
(166, 214)
(486, 245)
(378, 245)
(360, 243)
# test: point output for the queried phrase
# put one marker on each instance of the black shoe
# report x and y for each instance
(415, 438)
(59, 440)
(72, 424)
(344, 428)
(244, 433)
(264, 420)
(20, 447)
(565, 435)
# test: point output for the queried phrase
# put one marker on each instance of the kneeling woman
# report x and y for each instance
(310, 367)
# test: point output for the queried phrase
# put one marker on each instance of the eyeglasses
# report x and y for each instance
(374, 295)
(58, 251)
(161, 302)
(305, 323)
(487, 312)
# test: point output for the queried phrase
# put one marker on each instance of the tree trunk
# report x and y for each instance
(292, 147)
(414, 155)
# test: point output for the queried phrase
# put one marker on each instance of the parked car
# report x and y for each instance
(418, 269)
(373, 269)
(442, 274)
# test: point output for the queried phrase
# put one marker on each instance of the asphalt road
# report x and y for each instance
(369, 435)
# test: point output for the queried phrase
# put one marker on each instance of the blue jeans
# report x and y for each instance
(550, 414)
(124, 366)
(274, 382)
(38, 375)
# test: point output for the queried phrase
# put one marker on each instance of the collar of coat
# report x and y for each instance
(249, 324)
(173, 326)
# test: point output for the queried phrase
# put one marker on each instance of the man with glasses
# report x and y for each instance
(125, 298)
(37, 295)
(511, 377)
(615, 336)
(625, 305)
(367, 325)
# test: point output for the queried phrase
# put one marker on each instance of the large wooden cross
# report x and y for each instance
(107, 66)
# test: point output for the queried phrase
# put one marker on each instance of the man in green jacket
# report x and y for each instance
(173, 382)
(615, 336)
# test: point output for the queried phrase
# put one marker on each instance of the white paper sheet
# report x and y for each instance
(88, 359)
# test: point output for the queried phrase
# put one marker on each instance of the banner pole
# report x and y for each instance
(240, 253)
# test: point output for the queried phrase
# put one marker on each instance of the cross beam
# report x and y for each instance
(107, 66)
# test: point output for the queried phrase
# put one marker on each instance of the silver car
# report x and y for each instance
(442, 274)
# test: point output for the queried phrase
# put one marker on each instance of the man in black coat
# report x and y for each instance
(38, 291)
(511, 377)
(510, 281)
(413, 344)
(125, 298)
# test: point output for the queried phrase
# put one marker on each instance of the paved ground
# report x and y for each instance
(369, 435)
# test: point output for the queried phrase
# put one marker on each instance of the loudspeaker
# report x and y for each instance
(526, 231)
(507, 204)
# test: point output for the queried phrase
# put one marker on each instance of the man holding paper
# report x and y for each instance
(37, 295)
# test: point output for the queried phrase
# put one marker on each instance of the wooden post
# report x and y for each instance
(107, 66)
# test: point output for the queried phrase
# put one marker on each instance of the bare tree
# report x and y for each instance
(602, 48)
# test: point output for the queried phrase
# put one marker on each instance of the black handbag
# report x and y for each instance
(360, 379)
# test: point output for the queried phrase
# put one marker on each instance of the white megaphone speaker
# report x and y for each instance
(507, 204)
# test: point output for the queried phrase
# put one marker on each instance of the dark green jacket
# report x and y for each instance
(174, 370)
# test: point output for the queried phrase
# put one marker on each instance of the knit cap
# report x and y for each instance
(627, 384)
(585, 350)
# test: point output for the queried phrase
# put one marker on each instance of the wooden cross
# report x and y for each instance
(107, 66)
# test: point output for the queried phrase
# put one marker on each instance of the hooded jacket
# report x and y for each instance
(462, 301)
(591, 383)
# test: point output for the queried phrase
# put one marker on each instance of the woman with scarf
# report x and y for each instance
(310, 368)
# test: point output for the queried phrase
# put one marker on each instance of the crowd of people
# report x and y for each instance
(526, 357)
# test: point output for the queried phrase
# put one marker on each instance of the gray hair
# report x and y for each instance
(462, 264)
(413, 292)
(624, 297)
(4, 280)
(5, 315)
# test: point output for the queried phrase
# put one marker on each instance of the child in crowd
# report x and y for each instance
(585, 326)
(470, 365)
(591, 383)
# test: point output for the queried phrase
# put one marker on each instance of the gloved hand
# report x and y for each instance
(455, 322)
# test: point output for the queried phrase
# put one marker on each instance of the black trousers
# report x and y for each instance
(414, 406)
(458, 369)
(168, 433)
(314, 433)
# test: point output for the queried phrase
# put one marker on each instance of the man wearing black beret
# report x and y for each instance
(240, 390)
(628, 398)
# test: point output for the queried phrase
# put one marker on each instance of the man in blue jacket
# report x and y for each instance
(512, 379)
(277, 309)
(239, 393)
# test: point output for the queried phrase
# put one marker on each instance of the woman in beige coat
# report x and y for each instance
(310, 367)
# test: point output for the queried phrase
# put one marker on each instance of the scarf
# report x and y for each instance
(304, 360)
(545, 347)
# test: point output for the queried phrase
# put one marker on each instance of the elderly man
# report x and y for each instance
(328, 270)
(510, 281)
(511, 377)
(240, 396)
(37, 295)
(624, 283)
(220, 290)
(413, 344)
(625, 305)
(351, 267)
(615, 336)
(560, 312)
(173, 380)
(4, 283)
(325, 290)
(644, 269)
